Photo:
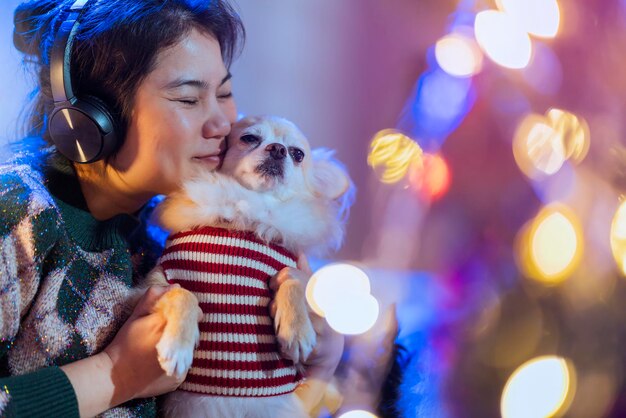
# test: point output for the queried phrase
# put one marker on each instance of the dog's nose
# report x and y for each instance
(277, 151)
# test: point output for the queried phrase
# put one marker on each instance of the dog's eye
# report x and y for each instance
(297, 154)
(250, 139)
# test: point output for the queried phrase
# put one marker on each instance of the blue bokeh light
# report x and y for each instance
(437, 106)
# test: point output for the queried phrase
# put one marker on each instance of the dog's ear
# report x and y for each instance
(328, 177)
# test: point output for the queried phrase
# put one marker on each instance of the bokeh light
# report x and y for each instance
(352, 315)
(358, 413)
(618, 237)
(340, 292)
(537, 147)
(436, 107)
(542, 144)
(396, 153)
(432, 178)
(573, 131)
(554, 244)
(458, 55)
(502, 39)
(545, 148)
(541, 387)
(332, 281)
(550, 247)
(538, 17)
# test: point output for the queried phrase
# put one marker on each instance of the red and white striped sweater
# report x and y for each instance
(229, 272)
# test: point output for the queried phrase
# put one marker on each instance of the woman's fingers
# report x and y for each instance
(285, 274)
(146, 304)
(303, 264)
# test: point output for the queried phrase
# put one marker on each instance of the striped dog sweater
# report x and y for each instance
(229, 272)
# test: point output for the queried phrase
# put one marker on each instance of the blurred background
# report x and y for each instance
(483, 268)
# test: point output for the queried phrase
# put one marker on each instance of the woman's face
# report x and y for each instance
(182, 113)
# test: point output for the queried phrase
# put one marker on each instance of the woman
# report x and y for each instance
(71, 243)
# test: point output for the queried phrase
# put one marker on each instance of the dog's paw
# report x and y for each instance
(294, 330)
(296, 342)
(175, 353)
(181, 333)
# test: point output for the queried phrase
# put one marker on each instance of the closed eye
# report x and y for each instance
(189, 102)
(297, 154)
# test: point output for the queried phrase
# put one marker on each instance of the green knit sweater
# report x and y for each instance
(63, 279)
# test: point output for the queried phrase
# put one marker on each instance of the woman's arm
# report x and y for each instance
(46, 392)
(25, 239)
(128, 368)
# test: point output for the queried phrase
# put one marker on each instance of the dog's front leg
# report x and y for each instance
(294, 330)
(180, 309)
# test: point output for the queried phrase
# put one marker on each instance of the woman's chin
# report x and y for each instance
(210, 163)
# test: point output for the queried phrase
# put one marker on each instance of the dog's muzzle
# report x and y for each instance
(273, 165)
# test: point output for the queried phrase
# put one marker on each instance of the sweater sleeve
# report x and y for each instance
(44, 393)
(27, 219)
(27, 225)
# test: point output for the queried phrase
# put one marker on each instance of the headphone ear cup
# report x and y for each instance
(107, 123)
(84, 132)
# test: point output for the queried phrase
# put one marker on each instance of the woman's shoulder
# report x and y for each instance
(23, 194)
(22, 181)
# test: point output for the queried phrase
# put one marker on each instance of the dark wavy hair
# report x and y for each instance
(116, 46)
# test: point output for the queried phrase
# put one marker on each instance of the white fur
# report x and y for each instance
(298, 221)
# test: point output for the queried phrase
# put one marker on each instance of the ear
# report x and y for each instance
(328, 177)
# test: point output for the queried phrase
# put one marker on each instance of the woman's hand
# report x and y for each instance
(321, 364)
(136, 371)
(128, 368)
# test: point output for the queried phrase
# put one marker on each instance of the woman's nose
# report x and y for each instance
(217, 124)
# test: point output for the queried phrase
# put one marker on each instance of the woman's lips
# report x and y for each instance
(217, 157)
(214, 159)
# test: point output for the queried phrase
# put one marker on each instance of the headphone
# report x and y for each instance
(82, 128)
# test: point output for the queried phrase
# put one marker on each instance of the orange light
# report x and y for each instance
(432, 178)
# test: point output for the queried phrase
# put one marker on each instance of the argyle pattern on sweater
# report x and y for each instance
(229, 272)
(64, 277)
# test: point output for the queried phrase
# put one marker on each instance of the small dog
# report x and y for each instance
(232, 230)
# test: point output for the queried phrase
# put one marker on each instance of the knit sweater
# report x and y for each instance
(229, 272)
(63, 278)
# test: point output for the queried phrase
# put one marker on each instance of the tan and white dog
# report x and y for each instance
(231, 230)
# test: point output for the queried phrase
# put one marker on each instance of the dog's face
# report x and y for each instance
(267, 153)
